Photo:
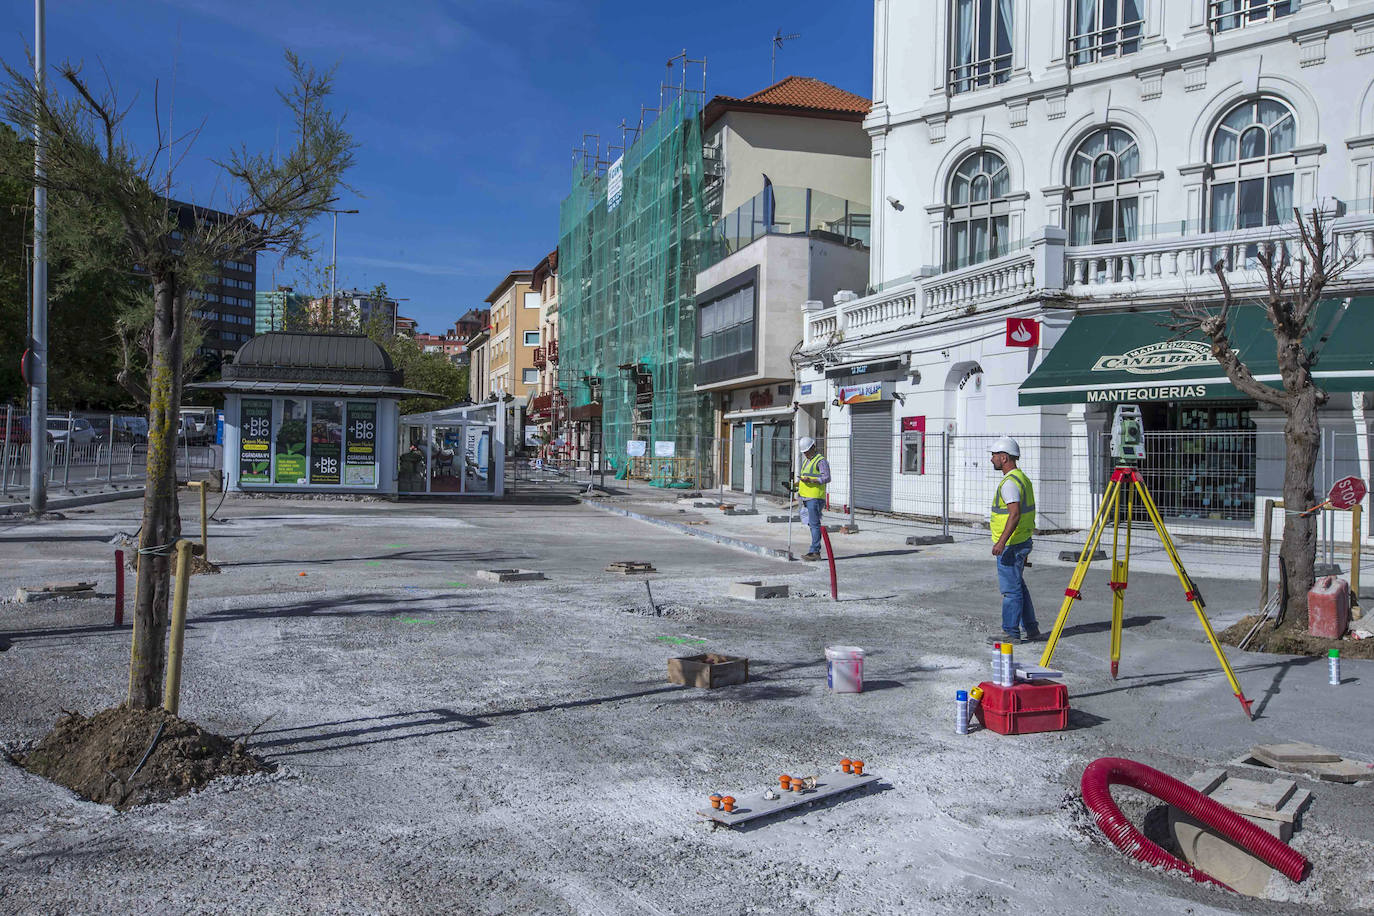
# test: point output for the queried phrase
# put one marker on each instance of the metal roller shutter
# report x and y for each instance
(872, 450)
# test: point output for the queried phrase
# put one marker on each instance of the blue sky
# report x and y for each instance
(467, 111)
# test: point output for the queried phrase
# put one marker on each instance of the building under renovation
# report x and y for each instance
(630, 236)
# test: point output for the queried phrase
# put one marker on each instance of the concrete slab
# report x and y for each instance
(630, 567)
(1071, 556)
(783, 519)
(741, 511)
(53, 590)
(923, 540)
(1310, 760)
(756, 591)
(758, 804)
(510, 575)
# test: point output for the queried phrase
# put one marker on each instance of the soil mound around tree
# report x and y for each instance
(1292, 642)
(97, 757)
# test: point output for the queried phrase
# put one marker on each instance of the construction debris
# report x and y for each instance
(756, 590)
(710, 670)
(630, 567)
(26, 594)
(510, 575)
(759, 804)
(1310, 760)
(1274, 807)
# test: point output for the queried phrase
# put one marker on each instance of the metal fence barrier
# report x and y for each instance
(85, 465)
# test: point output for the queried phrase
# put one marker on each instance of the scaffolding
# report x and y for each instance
(630, 239)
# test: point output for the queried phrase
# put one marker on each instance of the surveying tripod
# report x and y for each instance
(1127, 478)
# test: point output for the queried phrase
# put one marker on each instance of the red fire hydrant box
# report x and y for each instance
(1328, 608)
(1029, 706)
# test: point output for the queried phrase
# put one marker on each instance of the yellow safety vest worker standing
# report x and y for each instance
(808, 480)
(1025, 525)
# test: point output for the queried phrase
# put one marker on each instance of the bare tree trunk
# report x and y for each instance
(161, 514)
(1299, 547)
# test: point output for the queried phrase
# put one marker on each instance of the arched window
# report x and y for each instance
(1252, 166)
(1103, 191)
(976, 215)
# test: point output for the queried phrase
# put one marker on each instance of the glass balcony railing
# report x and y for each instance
(792, 212)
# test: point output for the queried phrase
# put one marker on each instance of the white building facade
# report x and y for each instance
(1041, 164)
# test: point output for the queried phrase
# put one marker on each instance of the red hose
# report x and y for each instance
(830, 555)
(1106, 772)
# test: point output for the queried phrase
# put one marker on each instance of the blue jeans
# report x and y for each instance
(811, 514)
(1018, 613)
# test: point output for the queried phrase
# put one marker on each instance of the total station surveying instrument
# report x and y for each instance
(1128, 451)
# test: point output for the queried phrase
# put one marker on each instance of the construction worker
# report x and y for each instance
(1013, 524)
(811, 481)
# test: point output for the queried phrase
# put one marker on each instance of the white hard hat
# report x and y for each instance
(805, 443)
(1006, 444)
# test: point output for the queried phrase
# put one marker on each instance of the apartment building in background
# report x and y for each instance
(353, 308)
(514, 336)
(279, 309)
(549, 407)
(225, 303)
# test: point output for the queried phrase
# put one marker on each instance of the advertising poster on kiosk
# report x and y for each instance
(255, 441)
(360, 444)
(326, 435)
(290, 448)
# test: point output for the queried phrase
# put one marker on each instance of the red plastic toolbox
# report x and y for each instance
(1030, 706)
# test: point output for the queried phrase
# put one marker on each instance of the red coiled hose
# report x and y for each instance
(1106, 772)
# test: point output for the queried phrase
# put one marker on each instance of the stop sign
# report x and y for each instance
(1346, 492)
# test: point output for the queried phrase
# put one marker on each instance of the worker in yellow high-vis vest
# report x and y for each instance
(1013, 525)
(812, 477)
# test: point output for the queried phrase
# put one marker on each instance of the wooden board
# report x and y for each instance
(753, 806)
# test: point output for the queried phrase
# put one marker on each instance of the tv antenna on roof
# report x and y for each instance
(777, 42)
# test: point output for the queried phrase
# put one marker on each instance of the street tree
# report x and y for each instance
(270, 199)
(1296, 273)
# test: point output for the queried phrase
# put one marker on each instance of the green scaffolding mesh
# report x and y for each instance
(626, 282)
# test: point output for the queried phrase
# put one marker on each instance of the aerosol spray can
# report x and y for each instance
(1333, 662)
(961, 712)
(1008, 677)
(975, 696)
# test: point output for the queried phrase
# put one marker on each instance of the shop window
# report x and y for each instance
(1200, 460)
(1103, 29)
(979, 44)
(725, 334)
(1103, 192)
(1252, 165)
(976, 218)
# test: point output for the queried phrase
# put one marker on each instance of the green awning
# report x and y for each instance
(1124, 357)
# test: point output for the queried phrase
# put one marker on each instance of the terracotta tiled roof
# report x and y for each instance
(796, 95)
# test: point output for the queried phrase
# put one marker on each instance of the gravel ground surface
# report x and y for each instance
(449, 745)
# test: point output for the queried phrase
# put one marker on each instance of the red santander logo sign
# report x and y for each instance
(1023, 332)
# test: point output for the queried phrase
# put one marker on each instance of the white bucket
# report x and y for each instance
(844, 669)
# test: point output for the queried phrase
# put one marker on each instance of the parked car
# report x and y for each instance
(17, 432)
(77, 430)
(198, 425)
(131, 429)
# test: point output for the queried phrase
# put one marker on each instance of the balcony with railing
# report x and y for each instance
(791, 212)
(1157, 271)
(540, 358)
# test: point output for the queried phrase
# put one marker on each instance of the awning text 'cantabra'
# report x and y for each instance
(1125, 357)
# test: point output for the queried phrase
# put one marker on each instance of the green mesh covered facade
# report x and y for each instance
(626, 290)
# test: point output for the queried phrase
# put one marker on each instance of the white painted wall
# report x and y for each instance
(827, 155)
(1169, 95)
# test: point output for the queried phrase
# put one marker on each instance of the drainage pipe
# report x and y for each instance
(830, 555)
(1106, 772)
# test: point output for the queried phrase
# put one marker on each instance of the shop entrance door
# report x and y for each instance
(737, 447)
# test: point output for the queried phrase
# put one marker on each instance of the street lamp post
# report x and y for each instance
(37, 364)
(334, 264)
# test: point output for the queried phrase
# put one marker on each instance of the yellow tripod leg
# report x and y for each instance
(1110, 498)
(1191, 592)
(1120, 571)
